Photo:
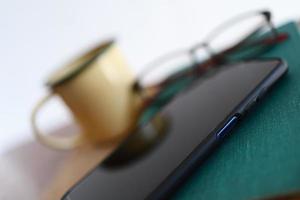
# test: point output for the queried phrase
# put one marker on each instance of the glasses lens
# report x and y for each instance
(237, 32)
(239, 38)
(165, 67)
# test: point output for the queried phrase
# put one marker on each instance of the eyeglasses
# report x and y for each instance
(244, 37)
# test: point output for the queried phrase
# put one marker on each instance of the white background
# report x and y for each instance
(38, 36)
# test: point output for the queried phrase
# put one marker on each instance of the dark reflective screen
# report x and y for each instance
(144, 161)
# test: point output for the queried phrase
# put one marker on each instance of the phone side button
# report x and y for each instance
(227, 127)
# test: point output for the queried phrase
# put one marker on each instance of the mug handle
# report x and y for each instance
(52, 141)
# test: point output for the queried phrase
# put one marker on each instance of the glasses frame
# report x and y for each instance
(215, 59)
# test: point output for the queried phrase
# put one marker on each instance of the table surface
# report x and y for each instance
(37, 172)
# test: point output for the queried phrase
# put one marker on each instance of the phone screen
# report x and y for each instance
(138, 167)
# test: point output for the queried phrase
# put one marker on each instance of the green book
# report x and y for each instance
(262, 156)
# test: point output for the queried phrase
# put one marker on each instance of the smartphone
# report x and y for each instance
(196, 122)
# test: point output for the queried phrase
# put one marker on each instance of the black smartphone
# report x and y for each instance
(189, 128)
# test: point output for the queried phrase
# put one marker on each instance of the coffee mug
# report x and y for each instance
(97, 89)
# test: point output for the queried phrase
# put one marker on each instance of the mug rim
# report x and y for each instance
(59, 76)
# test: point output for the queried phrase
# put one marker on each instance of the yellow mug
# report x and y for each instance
(97, 89)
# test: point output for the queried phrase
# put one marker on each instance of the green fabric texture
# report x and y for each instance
(262, 156)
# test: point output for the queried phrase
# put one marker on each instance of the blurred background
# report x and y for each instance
(37, 37)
